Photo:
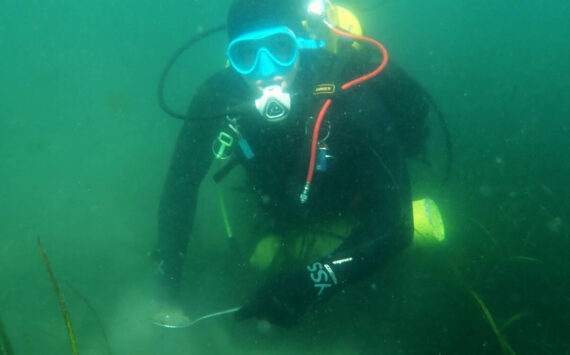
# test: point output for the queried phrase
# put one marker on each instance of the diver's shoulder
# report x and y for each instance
(223, 79)
(221, 90)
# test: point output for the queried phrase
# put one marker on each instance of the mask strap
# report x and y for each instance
(308, 43)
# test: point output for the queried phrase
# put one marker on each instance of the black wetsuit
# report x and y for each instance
(367, 175)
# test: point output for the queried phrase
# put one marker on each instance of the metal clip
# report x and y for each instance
(225, 141)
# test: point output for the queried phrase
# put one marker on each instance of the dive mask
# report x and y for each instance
(267, 53)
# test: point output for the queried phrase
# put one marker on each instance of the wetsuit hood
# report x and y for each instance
(252, 15)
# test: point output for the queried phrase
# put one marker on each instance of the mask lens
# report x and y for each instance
(282, 47)
(243, 55)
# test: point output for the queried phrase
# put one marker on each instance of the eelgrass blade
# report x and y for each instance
(515, 318)
(60, 299)
(505, 347)
(99, 321)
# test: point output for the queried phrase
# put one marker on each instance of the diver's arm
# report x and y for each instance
(385, 211)
(190, 162)
(385, 229)
(192, 158)
(387, 225)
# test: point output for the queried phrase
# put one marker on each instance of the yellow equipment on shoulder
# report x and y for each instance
(341, 18)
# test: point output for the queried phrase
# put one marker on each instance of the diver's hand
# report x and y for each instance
(281, 300)
(284, 298)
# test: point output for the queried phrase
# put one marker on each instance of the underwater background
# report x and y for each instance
(84, 150)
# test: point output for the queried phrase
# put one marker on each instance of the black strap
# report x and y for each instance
(225, 170)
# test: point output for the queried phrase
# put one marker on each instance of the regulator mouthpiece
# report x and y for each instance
(274, 105)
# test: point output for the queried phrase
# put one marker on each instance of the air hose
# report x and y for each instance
(305, 193)
(161, 81)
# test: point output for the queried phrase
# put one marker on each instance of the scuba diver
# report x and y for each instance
(322, 125)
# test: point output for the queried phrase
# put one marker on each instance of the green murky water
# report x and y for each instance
(84, 150)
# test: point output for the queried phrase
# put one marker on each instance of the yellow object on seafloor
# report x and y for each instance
(428, 223)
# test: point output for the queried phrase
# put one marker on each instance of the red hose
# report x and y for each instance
(328, 102)
(369, 40)
(316, 138)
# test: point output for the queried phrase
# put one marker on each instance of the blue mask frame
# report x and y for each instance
(270, 51)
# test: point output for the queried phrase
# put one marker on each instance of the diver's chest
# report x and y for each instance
(279, 172)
